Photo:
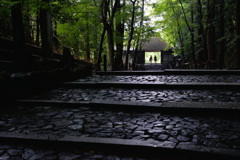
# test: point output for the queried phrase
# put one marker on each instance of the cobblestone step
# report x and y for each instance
(148, 98)
(138, 133)
(173, 71)
(163, 79)
(139, 95)
(146, 149)
(201, 72)
(123, 123)
(206, 108)
(161, 85)
(230, 82)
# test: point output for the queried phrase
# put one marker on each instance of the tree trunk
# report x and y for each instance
(180, 35)
(37, 31)
(211, 35)
(131, 32)
(110, 44)
(107, 16)
(87, 41)
(192, 35)
(139, 35)
(28, 28)
(99, 59)
(192, 39)
(22, 61)
(46, 31)
(119, 42)
(88, 58)
(222, 43)
(238, 32)
(55, 39)
(201, 37)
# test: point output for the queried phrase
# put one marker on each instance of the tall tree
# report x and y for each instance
(119, 34)
(238, 32)
(131, 33)
(5, 20)
(139, 35)
(170, 24)
(108, 10)
(191, 30)
(27, 16)
(100, 50)
(87, 38)
(37, 37)
(222, 42)
(22, 59)
(212, 58)
(46, 29)
(202, 46)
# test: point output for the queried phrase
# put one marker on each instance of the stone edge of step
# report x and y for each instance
(171, 71)
(151, 83)
(119, 145)
(160, 105)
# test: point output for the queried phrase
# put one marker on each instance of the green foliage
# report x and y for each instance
(5, 19)
(171, 22)
(176, 30)
(78, 26)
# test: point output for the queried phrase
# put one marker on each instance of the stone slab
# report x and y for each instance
(213, 150)
(196, 105)
(201, 72)
(114, 141)
(159, 72)
(205, 84)
(202, 108)
(203, 105)
(9, 135)
(120, 145)
(173, 71)
(125, 103)
(51, 102)
(162, 85)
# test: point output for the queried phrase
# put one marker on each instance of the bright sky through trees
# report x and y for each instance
(148, 12)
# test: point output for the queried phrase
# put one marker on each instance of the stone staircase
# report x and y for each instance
(172, 114)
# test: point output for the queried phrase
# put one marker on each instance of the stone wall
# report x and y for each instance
(18, 85)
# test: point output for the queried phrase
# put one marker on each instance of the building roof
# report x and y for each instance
(154, 45)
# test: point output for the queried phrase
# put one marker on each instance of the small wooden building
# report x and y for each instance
(156, 46)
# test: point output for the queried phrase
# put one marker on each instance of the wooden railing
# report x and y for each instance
(8, 45)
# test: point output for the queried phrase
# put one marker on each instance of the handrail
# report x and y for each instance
(8, 44)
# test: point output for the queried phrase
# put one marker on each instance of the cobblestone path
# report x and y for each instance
(141, 95)
(86, 122)
(99, 122)
(219, 132)
(164, 78)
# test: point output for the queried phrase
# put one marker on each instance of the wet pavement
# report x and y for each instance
(89, 122)
(140, 95)
(175, 129)
(28, 152)
(163, 78)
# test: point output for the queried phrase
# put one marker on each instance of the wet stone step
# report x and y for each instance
(203, 130)
(164, 78)
(26, 151)
(140, 95)
(31, 152)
